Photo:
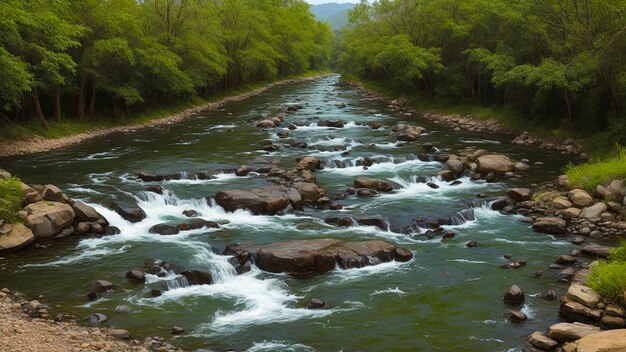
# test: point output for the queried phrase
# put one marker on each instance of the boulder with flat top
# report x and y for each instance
(318, 256)
(260, 201)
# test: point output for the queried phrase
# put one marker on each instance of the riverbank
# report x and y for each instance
(27, 326)
(37, 143)
(470, 115)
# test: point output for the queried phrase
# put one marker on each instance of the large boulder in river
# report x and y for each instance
(86, 213)
(455, 165)
(498, 164)
(132, 214)
(14, 237)
(605, 341)
(372, 183)
(46, 218)
(565, 332)
(550, 225)
(309, 191)
(260, 201)
(322, 255)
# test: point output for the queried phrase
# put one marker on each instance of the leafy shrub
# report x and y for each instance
(608, 278)
(619, 253)
(10, 198)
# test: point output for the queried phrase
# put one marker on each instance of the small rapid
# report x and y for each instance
(421, 304)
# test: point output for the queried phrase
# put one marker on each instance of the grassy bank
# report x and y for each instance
(69, 126)
(598, 171)
(608, 278)
(10, 199)
(595, 144)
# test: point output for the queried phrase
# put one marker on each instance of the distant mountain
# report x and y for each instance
(336, 15)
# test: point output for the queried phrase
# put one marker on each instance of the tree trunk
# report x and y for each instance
(114, 106)
(569, 108)
(92, 102)
(57, 102)
(38, 111)
(6, 118)
(80, 113)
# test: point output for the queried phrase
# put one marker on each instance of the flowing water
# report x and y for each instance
(448, 298)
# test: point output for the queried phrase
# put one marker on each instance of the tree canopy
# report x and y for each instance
(560, 60)
(78, 58)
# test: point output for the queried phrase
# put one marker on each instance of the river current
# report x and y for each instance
(447, 298)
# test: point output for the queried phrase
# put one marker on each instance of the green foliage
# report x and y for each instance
(608, 278)
(561, 64)
(82, 58)
(618, 253)
(10, 199)
(597, 172)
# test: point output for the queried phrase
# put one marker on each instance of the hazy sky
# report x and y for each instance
(316, 2)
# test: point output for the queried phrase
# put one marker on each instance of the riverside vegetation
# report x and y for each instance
(555, 68)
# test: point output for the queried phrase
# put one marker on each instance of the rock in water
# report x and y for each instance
(541, 341)
(164, 229)
(316, 303)
(371, 183)
(498, 164)
(101, 286)
(86, 213)
(260, 201)
(48, 218)
(550, 225)
(136, 275)
(177, 330)
(197, 277)
(514, 296)
(319, 255)
(131, 214)
(565, 332)
(17, 236)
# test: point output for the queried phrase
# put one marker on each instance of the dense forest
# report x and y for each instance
(80, 58)
(560, 61)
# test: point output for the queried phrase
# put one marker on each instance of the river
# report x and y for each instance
(448, 298)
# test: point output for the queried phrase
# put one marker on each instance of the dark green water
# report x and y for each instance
(448, 298)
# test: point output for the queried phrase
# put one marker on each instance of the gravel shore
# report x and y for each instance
(38, 144)
(20, 332)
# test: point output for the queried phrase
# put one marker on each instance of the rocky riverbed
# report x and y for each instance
(305, 211)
